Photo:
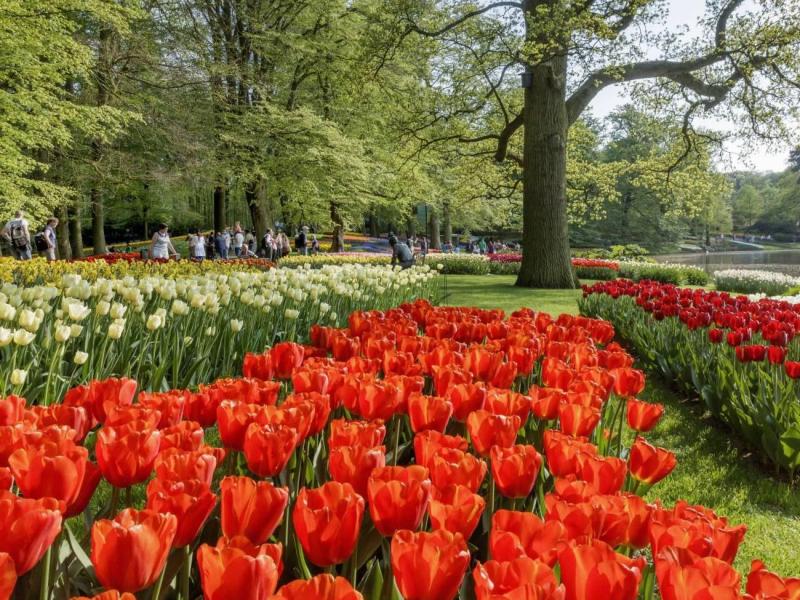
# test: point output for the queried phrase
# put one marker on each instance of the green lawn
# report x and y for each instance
(710, 471)
(498, 291)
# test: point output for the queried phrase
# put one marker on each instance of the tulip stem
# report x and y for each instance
(44, 591)
(114, 501)
(159, 583)
(186, 572)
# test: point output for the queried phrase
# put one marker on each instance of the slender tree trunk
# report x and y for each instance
(255, 195)
(104, 77)
(448, 223)
(338, 229)
(75, 233)
(436, 240)
(545, 234)
(219, 207)
(98, 221)
(62, 234)
(373, 225)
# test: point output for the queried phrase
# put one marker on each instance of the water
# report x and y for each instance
(783, 261)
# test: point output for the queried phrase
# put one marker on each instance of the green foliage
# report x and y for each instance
(665, 273)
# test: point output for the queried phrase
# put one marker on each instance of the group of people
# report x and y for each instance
(234, 242)
(17, 235)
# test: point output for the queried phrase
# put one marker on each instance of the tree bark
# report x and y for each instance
(448, 223)
(337, 245)
(219, 207)
(62, 234)
(75, 233)
(256, 196)
(436, 240)
(104, 76)
(98, 222)
(545, 234)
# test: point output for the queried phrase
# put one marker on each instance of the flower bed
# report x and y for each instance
(663, 272)
(341, 471)
(739, 356)
(585, 268)
(117, 266)
(167, 331)
(746, 281)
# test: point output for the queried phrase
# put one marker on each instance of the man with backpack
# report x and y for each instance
(301, 242)
(46, 240)
(17, 233)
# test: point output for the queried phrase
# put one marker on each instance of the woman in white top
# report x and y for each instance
(160, 246)
(197, 246)
(238, 242)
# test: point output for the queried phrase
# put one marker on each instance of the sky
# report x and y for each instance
(739, 155)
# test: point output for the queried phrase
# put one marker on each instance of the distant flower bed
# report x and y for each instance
(746, 281)
(662, 272)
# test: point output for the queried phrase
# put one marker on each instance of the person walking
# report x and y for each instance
(268, 245)
(301, 241)
(250, 241)
(50, 239)
(197, 246)
(284, 248)
(401, 253)
(238, 241)
(219, 242)
(160, 246)
(314, 244)
(226, 236)
(210, 243)
(19, 236)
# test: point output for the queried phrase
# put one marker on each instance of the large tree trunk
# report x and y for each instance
(219, 207)
(62, 234)
(545, 234)
(104, 75)
(448, 223)
(98, 222)
(337, 245)
(75, 233)
(436, 240)
(256, 196)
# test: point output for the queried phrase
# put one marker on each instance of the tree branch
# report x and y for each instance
(505, 137)
(414, 28)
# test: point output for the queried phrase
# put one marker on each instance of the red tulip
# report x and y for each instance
(321, 587)
(456, 509)
(356, 433)
(446, 377)
(450, 466)
(169, 404)
(268, 448)
(649, 464)
(487, 430)
(91, 479)
(683, 576)
(355, 464)
(233, 419)
(201, 407)
(320, 405)
(595, 570)
(481, 362)
(504, 376)
(378, 400)
(12, 409)
(524, 357)
(258, 366)
(715, 335)
(506, 402)
(764, 585)
(239, 569)
(130, 551)
(515, 469)
(185, 436)
(522, 578)
(126, 454)
(327, 521)
(576, 420)
(8, 576)
(49, 470)
(627, 381)
(643, 416)
(605, 474)
(251, 509)
(776, 355)
(428, 443)
(74, 417)
(545, 402)
(466, 398)
(118, 416)
(297, 416)
(429, 566)
(107, 595)
(190, 501)
(517, 534)
(792, 369)
(179, 465)
(28, 528)
(99, 396)
(398, 497)
(286, 357)
(249, 391)
(428, 412)
(563, 452)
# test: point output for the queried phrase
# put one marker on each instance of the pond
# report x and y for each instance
(784, 261)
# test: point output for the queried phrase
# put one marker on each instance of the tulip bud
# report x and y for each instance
(18, 377)
(62, 333)
(80, 357)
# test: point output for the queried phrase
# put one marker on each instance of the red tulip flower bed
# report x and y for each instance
(585, 268)
(420, 453)
(740, 357)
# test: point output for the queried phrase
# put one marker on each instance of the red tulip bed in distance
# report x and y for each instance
(419, 453)
(738, 356)
(585, 268)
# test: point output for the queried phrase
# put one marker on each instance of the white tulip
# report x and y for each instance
(76, 330)
(18, 377)
(154, 322)
(62, 333)
(103, 308)
(80, 357)
(236, 325)
(115, 330)
(6, 336)
(117, 310)
(27, 319)
(78, 311)
(23, 337)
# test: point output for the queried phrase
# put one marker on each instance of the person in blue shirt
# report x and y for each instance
(401, 253)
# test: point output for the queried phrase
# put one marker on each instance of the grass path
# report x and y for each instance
(711, 470)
